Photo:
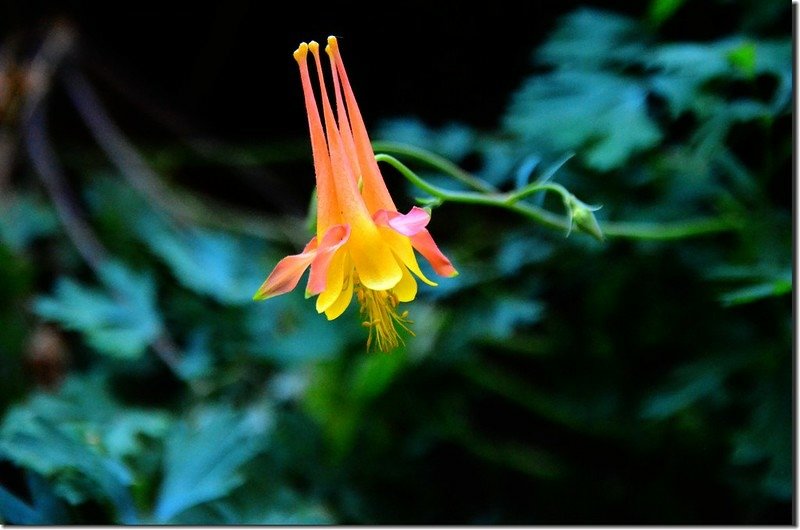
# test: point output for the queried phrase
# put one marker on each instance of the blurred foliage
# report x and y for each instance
(556, 380)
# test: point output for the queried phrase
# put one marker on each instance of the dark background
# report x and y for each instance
(622, 324)
(227, 68)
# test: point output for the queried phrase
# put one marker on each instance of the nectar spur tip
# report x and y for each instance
(301, 51)
(332, 47)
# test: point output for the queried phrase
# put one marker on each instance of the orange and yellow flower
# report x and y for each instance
(363, 244)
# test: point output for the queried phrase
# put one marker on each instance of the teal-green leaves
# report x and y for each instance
(203, 457)
(549, 110)
(83, 441)
(644, 378)
(213, 264)
(24, 218)
(119, 320)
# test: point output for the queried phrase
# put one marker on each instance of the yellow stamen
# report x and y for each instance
(379, 311)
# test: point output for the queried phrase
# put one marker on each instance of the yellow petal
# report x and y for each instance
(373, 259)
(401, 246)
(341, 303)
(406, 289)
(334, 282)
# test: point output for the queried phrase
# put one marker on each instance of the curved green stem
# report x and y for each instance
(536, 187)
(437, 162)
(501, 200)
(511, 201)
(667, 231)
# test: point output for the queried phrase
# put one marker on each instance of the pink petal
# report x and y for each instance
(407, 224)
(423, 242)
(334, 238)
(286, 274)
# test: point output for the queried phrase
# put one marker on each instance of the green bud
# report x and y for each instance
(582, 216)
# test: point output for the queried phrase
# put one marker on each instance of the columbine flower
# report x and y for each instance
(363, 244)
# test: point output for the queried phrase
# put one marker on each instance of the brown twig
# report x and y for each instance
(53, 51)
(148, 183)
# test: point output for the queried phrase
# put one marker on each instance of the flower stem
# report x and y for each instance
(436, 162)
(513, 202)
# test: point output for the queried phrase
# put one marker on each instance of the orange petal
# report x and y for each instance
(376, 196)
(327, 207)
(334, 238)
(344, 125)
(286, 274)
(351, 205)
(423, 242)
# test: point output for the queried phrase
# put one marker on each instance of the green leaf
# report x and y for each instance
(288, 330)
(691, 384)
(220, 265)
(120, 320)
(518, 250)
(453, 141)
(23, 219)
(204, 455)
(508, 314)
(757, 291)
(374, 373)
(79, 439)
(683, 71)
(550, 110)
(592, 39)
(251, 505)
(85, 407)
(743, 57)
(768, 438)
(36, 437)
(45, 508)
(15, 511)
(197, 360)
(761, 280)
(660, 11)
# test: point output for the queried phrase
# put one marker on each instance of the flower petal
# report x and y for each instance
(424, 244)
(286, 274)
(374, 191)
(406, 288)
(327, 207)
(334, 238)
(345, 296)
(401, 247)
(336, 274)
(372, 257)
(406, 224)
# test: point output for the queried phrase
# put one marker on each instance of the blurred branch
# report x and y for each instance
(517, 456)
(247, 162)
(512, 201)
(56, 47)
(141, 177)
